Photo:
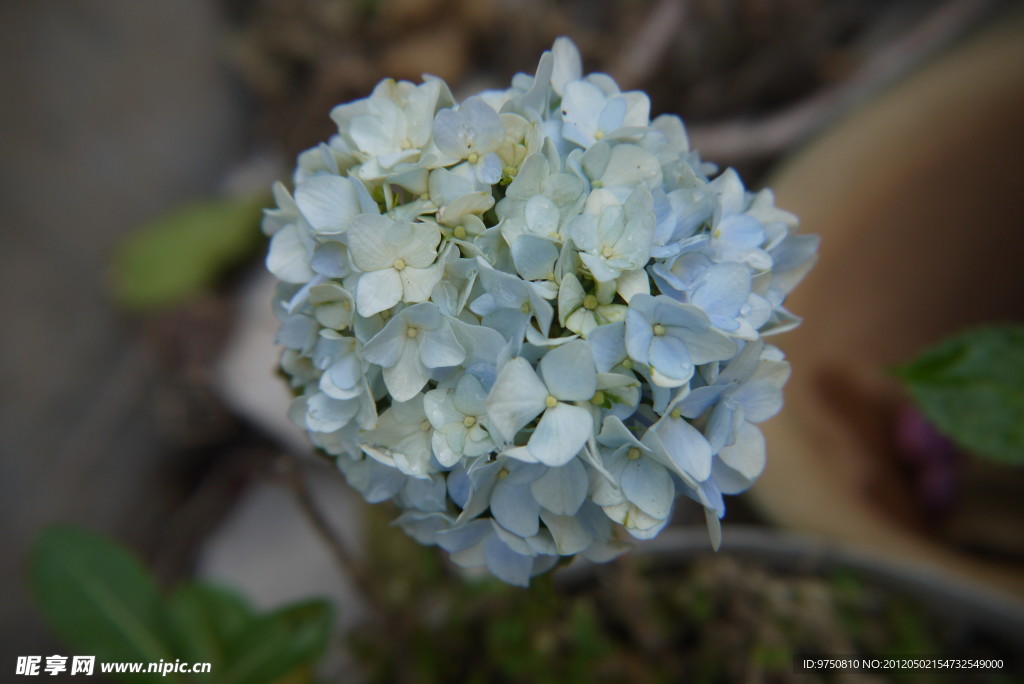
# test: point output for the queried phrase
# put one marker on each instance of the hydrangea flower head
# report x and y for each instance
(533, 318)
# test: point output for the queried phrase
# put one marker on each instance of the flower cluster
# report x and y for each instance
(530, 318)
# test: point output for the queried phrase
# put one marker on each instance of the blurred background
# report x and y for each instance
(891, 127)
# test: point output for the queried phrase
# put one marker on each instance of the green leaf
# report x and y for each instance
(278, 644)
(971, 388)
(203, 620)
(182, 253)
(98, 598)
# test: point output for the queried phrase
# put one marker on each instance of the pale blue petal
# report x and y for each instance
(562, 432)
(648, 486)
(707, 346)
(670, 357)
(488, 169)
(458, 486)
(464, 536)
(423, 527)
(740, 230)
(385, 348)
(639, 334)
(408, 376)
(761, 399)
(330, 259)
(719, 429)
(612, 115)
(562, 490)
(686, 448)
(534, 257)
(569, 372)
(514, 508)
(324, 414)
(506, 564)
(469, 396)
(570, 535)
(746, 456)
(608, 345)
(439, 348)
(516, 398)
(699, 400)
(615, 434)
(723, 292)
(481, 343)
(426, 494)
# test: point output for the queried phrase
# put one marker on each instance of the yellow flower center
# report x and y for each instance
(598, 135)
(459, 232)
(425, 425)
(399, 264)
(525, 308)
(598, 398)
(473, 158)
(633, 454)
(551, 402)
(590, 302)
(469, 421)
(406, 144)
(597, 184)
(659, 329)
(607, 252)
(627, 364)
(676, 413)
(503, 473)
(412, 332)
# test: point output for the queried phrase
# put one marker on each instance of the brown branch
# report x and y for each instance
(647, 48)
(288, 465)
(740, 140)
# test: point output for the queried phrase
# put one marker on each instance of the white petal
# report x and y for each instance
(378, 291)
(368, 244)
(288, 258)
(417, 242)
(567, 64)
(329, 203)
(541, 216)
(418, 283)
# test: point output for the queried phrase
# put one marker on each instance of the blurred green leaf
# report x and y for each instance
(203, 620)
(277, 644)
(98, 598)
(971, 388)
(101, 601)
(181, 253)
